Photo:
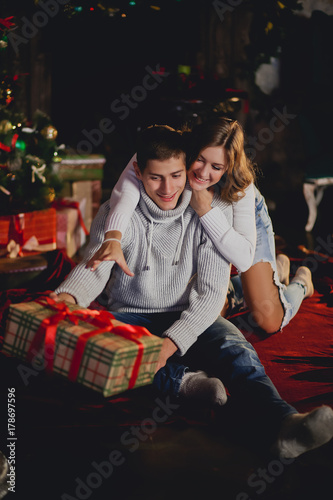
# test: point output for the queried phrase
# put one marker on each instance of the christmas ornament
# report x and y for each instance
(3, 42)
(5, 126)
(51, 196)
(49, 132)
(21, 145)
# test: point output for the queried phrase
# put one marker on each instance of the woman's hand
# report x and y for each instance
(111, 250)
(201, 201)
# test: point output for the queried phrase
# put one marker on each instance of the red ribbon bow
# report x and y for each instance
(47, 331)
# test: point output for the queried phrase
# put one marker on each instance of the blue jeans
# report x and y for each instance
(223, 352)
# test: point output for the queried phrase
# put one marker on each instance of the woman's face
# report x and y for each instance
(208, 168)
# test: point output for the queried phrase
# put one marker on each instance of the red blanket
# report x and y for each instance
(299, 359)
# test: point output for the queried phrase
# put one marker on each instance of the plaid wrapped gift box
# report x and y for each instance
(91, 352)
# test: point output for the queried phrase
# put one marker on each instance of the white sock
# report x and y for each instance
(304, 432)
(303, 276)
(283, 268)
(197, 385)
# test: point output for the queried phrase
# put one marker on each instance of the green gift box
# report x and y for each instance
(81, 167)
(82, 345)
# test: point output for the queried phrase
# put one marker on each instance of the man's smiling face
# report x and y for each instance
(164, 181)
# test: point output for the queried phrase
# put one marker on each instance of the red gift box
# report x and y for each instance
(21, 227)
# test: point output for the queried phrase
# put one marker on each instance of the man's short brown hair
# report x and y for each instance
(159, 142)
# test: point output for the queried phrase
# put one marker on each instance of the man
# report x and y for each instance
(178, 289)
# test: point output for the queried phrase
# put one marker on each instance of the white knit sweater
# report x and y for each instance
(176, 266)
(235, 239)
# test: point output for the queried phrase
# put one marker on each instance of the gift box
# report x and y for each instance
(40, 225)
(82, 345)
(81, 167)
(71, 229)
(88, 194)
(96, 189)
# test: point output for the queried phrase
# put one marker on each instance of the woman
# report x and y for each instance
(216, 160)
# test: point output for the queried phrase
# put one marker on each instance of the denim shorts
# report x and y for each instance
(265, 249)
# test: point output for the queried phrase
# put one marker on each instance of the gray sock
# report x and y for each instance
(304, 432)
(197, 385)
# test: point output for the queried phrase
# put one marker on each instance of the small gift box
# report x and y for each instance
(82, 345)
(40, 225)
(71, 229)
(83, 193)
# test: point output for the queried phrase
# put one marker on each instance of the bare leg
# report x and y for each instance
(262, 297)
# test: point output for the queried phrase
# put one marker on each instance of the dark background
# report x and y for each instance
(82, 60)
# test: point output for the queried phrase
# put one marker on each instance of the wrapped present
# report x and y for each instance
(81, 167)
(96, 188)
(38, 226)
(71, 229)
(87, 194)
(82, 345)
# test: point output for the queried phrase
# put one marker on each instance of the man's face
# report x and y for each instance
(164, 181)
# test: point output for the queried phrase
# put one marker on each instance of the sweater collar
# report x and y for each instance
(152, 211)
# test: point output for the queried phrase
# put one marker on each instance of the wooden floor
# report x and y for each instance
(72, 445)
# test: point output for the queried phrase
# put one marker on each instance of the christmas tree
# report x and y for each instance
(28, 150)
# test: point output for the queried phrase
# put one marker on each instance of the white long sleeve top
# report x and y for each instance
(235, 241)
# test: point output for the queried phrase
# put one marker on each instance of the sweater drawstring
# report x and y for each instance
(180, 243)
(150, 242)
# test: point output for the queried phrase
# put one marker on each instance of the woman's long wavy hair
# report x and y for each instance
(228, 134)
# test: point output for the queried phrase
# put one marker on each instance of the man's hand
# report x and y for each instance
(168, 349)
(201, 201)
(111, 250)
(62, 296)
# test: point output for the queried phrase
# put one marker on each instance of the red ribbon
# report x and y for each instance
(63, 203)
(47, 331)
(8, 149)
(5, 148)
(6, 22)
